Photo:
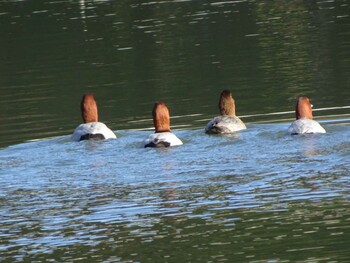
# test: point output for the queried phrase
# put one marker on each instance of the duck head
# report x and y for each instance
(88, 108)
(227, 103)
(161, 117)
(303, 108)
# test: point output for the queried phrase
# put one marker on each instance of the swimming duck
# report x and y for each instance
(162, 137)
(91, 129)
(304, 122)
(227, 122)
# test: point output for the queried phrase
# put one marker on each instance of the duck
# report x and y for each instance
(91, 129)
(163, 137)
(227, 122)
(304, 123)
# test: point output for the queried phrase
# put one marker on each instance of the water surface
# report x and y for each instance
(258, 196)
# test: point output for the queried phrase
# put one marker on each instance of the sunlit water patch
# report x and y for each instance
(258, 195)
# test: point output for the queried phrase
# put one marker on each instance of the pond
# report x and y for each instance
(260, 195)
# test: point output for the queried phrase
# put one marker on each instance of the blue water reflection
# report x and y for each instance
(59, 195)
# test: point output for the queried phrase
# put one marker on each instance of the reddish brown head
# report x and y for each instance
(303, 109)
(161, 117)
(88, 108)
(227, 104)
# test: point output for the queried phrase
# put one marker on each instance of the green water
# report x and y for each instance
(132, 53)
(259, 196)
